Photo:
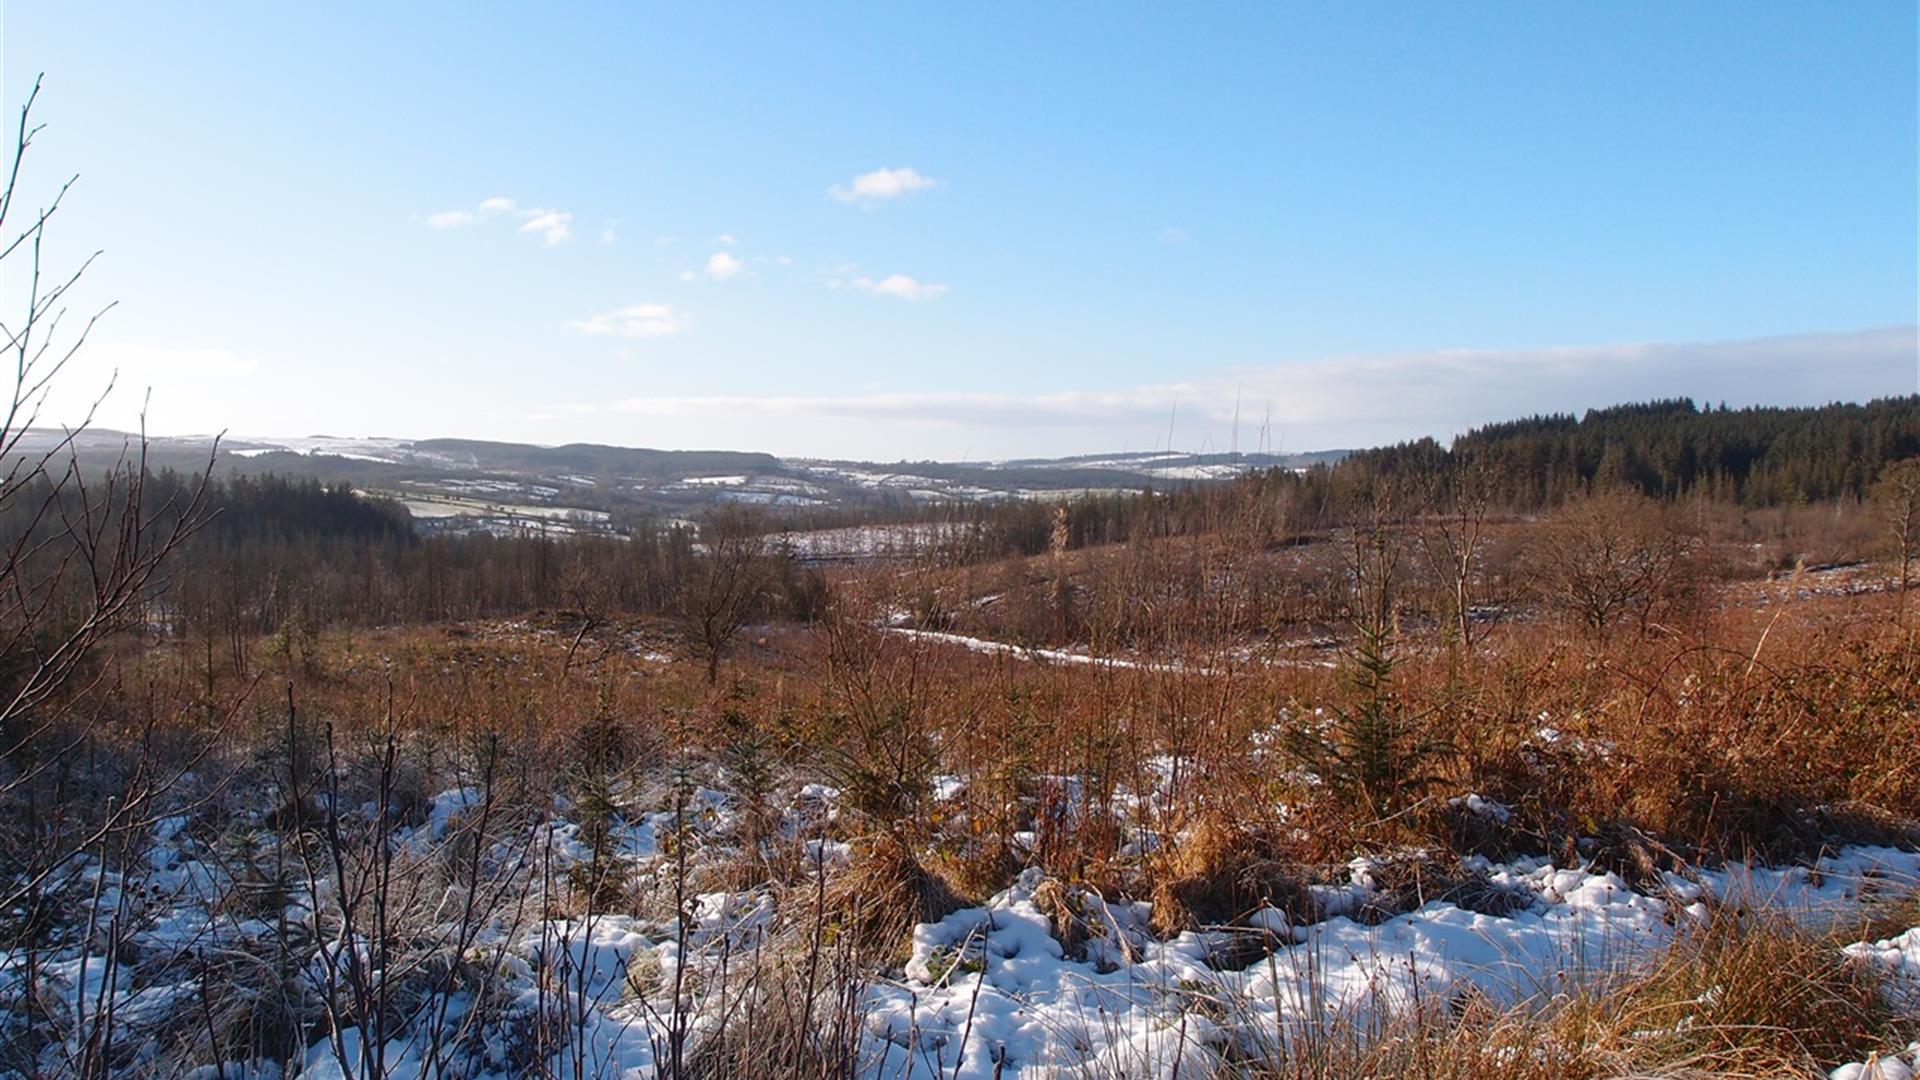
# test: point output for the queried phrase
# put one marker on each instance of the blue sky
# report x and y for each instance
(1082, 227)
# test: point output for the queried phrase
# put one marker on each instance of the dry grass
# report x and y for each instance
(1741, 997)
(1774, 734)
(878, 899)
(1218, 873)
(1635, 751)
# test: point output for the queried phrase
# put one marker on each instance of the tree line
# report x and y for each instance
(269, 552)
(1670, 449)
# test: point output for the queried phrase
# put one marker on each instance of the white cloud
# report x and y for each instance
(1174, 234)
(634, 321)
(899, 285)
(1371, 400)
(721, 266)
(976, 409)
(608, 237)
(882, 184)
(552, 226)
(725, 240)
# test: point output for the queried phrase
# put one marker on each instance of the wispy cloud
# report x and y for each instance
(882, 184)
(993, 410)
(720, 266)
(553, 227)
(634, 321)
(1366, 400)
(140, 364)
(898, 285)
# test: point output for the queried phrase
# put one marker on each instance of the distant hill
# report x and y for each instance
(594, 460)
(514, 487)
(1669, 448)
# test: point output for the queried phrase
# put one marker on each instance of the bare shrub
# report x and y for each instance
(1613, 558)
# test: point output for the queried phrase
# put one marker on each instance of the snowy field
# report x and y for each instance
(861, 542)
(505, 970)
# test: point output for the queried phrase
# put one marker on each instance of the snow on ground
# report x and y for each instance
(503, 517)
(766, 498)
(1903, 1065)
(430, 508)
(752, 489)
(1069, 656)
(1197, 472)
(371, 449)
(855, 542)
(498, 487)
(1898, 957)
(1058, 656)
(988, 991)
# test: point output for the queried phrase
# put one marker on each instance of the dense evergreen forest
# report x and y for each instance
(1674, 448)
(1666, 450)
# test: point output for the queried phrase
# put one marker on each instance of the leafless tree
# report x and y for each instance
(1061, 591)
(1898, 494)
(82, 553)
(1614, 556)
(1453, 536)
(727, 583)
